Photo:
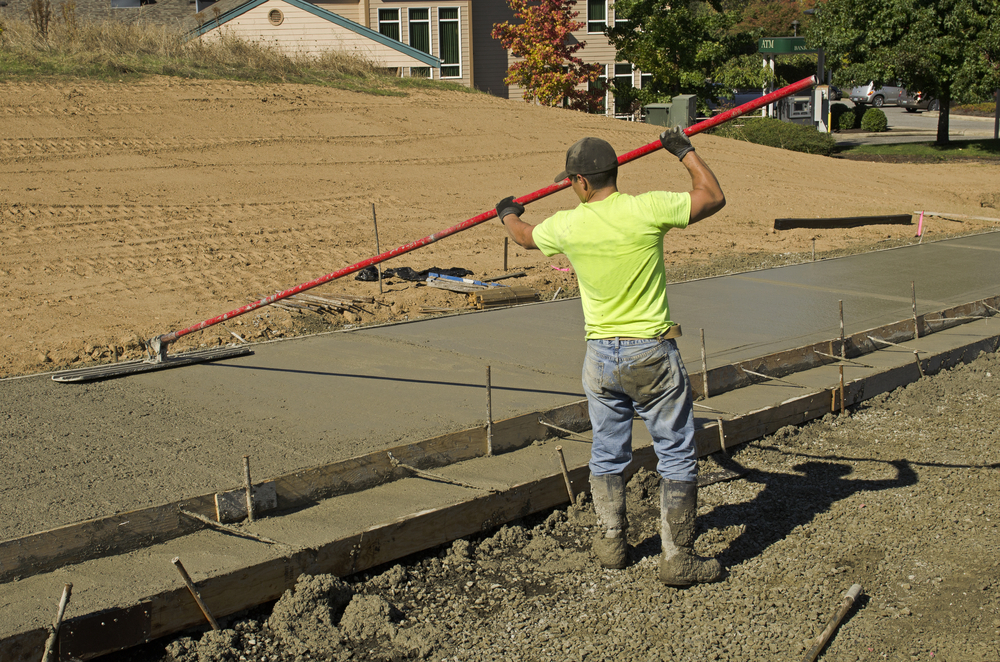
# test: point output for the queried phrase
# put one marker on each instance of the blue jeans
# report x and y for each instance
(647, 377)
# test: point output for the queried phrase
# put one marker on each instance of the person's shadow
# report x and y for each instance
(791, 500)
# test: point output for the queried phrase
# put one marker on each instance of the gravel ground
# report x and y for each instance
(899, 495)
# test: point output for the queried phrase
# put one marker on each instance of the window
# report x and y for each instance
(450, 42)
(124, 4)
(597, 15)
(199, 5)
(388, 23)
(623, 83)
(420, 38)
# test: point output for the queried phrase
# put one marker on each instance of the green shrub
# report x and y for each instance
(837, 114)
(874, 120)
(847, 120)
(776, 133)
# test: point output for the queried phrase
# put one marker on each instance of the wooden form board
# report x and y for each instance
(124, 532)
(732, 376)
(172, 611)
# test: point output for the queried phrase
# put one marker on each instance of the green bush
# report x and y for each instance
(874, 120)
(847, 120)
(839, 115)
(776, 133)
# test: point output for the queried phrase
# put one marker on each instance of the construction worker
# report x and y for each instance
(615, 244)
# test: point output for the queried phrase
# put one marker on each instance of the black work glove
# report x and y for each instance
(508, 206)
(676, 142)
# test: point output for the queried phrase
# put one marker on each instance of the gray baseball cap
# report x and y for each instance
(589, 156)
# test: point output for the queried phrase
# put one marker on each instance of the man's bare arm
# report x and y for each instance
(706, 195)
(520, 231)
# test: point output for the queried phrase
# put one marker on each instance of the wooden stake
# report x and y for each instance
(489, 414)
(248, 485)
(505, 242)
(722, 438)
(704, 366)
(194, 592)
(920, 368)
(824, 636)
(916, 325)
(565, 473)
(814, 250)
(50, 644)
(378, 251)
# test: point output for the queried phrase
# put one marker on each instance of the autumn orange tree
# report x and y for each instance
(548, 70)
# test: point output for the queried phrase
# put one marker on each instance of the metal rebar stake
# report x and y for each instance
(489, 414)
(565, 473)
(248, 485)
(194, 592)
(704, 366)
(378, 251)
(916, 324)
(842, 355)
(50, 644)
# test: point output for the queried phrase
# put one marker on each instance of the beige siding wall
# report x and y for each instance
(465, 41)
(305, 33)
(349, 9)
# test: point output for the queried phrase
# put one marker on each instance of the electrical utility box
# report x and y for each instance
(683, 110)
(657, 113)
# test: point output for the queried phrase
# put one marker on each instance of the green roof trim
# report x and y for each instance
(325, 14)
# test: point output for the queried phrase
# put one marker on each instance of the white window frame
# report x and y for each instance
(398, 22)
(458, 21)
(430, 35)
(603, 21)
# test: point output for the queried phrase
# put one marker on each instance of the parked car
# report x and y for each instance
(917, 101)
(875, 95)
(835, 93)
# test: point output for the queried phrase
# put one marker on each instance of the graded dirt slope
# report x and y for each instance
(131, 210)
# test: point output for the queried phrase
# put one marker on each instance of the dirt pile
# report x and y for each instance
(129, 210)
(898, 496)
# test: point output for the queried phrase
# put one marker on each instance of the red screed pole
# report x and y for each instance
(159, 343)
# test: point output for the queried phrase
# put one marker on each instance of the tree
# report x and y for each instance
(549, 70)
(691, 46)
(949, 49)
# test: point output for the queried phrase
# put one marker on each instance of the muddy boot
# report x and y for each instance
(608, 493)
(679, 566)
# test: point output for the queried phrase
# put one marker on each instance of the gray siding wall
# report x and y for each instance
(489, 57)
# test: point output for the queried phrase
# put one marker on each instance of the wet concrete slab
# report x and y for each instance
(88, 450)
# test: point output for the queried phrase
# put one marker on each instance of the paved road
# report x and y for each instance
(920, 126)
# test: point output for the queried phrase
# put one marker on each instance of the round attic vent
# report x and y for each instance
(275, 16)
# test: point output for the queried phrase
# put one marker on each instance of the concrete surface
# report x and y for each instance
(80, 451)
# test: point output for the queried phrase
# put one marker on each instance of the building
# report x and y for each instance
(438, 39)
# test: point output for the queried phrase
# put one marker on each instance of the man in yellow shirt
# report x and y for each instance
(615, 244)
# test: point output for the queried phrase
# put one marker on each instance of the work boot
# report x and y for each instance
(608, 493)
(679, 566)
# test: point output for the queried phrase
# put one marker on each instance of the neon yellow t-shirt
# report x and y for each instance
(616, 248)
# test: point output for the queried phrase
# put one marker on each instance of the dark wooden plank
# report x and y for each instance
(845, 222)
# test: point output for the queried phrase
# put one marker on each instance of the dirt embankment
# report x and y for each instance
(131, 210)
